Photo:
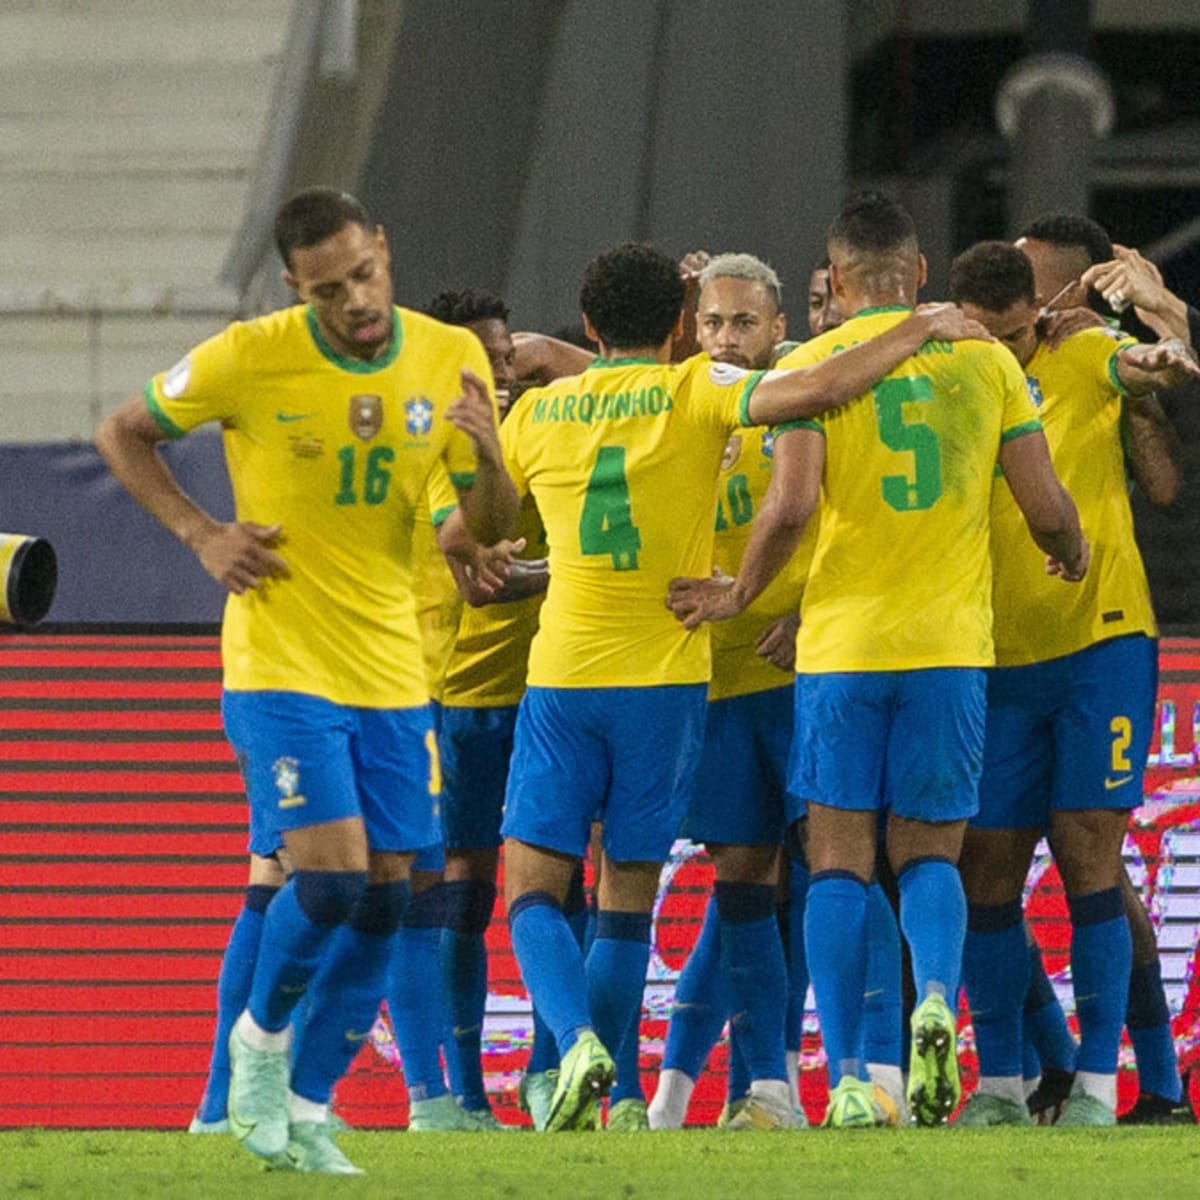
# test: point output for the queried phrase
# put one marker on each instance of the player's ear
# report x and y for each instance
(922, 271)
(290, 280)
(381, 245)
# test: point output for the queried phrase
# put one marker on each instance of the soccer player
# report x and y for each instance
(622, 462)
(335, 412)
(420, 1000)
(895, 632)
(483, 681)
(737, 969)
(1070, 701)
(823, 311)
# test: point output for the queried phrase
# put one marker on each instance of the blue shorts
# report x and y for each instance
(738, 799)
(907, 741)
(476, 746)
(1072, 732)
(307, 761)
(626, 756)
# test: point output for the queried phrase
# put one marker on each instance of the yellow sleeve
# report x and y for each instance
(202, 386)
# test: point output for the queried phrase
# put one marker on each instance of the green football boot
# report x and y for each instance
(628, 1116)
(983, 1111)
(311, 1149)
(535, 1094)
(585, 1075)
(258, 1097)
(934, 1089)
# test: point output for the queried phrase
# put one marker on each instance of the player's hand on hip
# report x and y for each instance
(240, 555)
(694, 601)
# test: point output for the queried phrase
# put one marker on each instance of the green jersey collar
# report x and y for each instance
(624, 362)
(357, 366)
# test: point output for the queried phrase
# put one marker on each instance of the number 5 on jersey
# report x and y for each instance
(606, 522)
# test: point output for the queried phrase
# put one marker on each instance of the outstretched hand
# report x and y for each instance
(694, 601)
(1168, 355)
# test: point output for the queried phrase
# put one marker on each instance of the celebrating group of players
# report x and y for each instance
(917, 631)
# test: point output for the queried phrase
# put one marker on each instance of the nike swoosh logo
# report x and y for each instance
(287, 417)
(1110, 784)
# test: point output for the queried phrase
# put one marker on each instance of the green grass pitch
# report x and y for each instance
(1154, 1164)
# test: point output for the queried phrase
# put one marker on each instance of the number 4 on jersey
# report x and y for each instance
(606, 523)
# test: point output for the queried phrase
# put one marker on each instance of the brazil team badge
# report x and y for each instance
(418, 415)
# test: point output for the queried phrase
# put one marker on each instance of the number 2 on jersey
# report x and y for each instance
(606, 522)
(900, 492)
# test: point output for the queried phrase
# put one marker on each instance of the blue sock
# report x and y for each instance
(551, 966)
(543, 1056)
(1148, 1020)
(1101, 955)
(996, 974)
(616, 980)
(933, 916)
(835, 933)
(233, 990)
(883, 996)
(467, 911)
(752, 962)
(627, 1057)
(1044, 1022)
(346, 992)
(797, 959)
(416, 998)
(297, 929)
(702, 1002)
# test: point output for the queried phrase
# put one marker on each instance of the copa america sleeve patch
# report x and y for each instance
(724, 374)
(175, 381)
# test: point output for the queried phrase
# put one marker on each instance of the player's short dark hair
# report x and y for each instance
(467, 307)
(312, 215)
(632, 295)
(992, 275)
(1066, 229)
(872, 223)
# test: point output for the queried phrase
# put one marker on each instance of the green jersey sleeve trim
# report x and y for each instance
(1034, 426)
(462, 479)
(880, 308)
(356, 366)
(744, 402)
(440, 515)
(1113, 377)
(164, 422)
(800, 423)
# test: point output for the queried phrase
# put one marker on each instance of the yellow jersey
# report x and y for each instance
(901, 574)
(745, 473)
(438, 600)
(622, 461)
(338, 452)
(1078, 396)
(491, 654)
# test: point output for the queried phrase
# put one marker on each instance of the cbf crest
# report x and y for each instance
(768, 443)
(1035, 390)
(418, 416)
(286, 773)
(366, 416)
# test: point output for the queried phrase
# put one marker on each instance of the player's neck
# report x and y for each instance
(660, 354)
(852, 303)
